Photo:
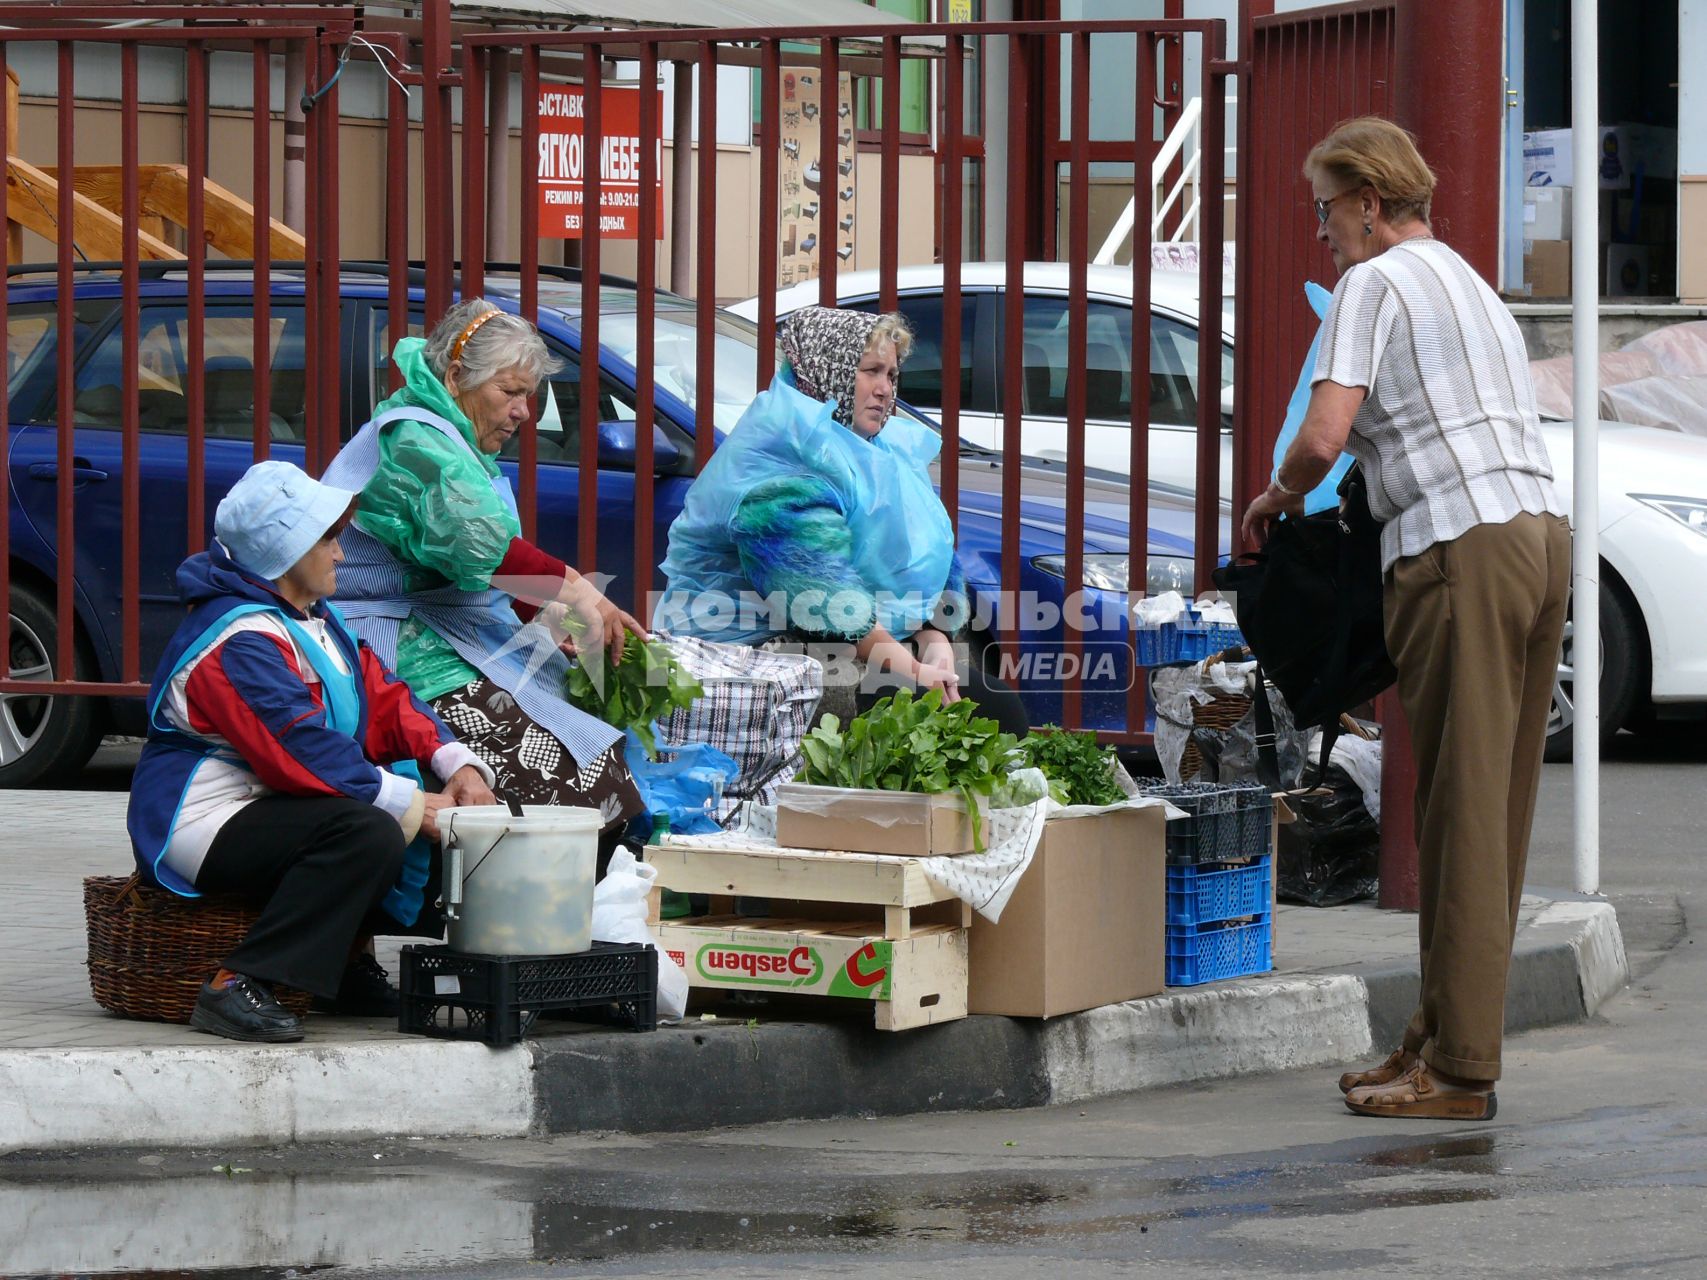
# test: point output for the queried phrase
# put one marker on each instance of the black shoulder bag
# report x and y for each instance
(1309, 607)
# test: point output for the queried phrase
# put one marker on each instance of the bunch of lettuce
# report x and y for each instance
(646, 686)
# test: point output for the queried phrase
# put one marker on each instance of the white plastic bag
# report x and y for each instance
(619, 915)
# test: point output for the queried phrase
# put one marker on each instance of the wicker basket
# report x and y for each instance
(1221, 712)
(151, 951)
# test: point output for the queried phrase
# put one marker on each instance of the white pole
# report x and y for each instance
(1585, 342)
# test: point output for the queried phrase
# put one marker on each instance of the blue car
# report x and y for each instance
(44, 739)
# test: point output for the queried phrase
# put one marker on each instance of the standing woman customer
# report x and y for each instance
(1424, 378)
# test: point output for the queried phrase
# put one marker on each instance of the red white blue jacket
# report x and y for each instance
(238, 710)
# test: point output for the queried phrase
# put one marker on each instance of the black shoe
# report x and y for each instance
(365, 991)
(244, 1010)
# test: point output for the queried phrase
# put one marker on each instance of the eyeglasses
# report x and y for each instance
(1323, 206)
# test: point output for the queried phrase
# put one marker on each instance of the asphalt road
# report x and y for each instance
(1596, 1166)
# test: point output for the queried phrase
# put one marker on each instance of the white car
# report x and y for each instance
(1653, 483)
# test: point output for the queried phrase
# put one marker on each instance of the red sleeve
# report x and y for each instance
(399, 725)
(528, 570)
(257, 719)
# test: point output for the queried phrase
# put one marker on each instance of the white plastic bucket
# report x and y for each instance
(526, 884)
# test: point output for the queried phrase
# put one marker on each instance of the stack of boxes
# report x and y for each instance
(1636, 185)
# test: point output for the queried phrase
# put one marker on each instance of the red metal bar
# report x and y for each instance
(65, 531)
(325, 164)
(645, 341)
(7, 124)
(953, 122)
(628, 41)
(592, 187)
(889, 217)
(770, 151)
(527, 500)
(436, 155)
(397, 225)
(1013, 337)
(261, 144)
(1451, 97)
(130, 409)
(1078, 312)
(473, 282)
(830, 154)
(705, 253)
(1138, 492)
(1212, 222)
(1250, 475)
(195, 393)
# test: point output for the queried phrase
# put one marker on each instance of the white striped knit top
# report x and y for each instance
(1448, 437)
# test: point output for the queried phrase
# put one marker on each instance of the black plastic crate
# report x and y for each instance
(1210, 830)
(459, 996)
(1256, 817)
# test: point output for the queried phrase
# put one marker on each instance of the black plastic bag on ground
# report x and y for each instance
(1330, 852)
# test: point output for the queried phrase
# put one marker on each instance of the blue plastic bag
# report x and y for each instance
(1325, 496)
(687, 786)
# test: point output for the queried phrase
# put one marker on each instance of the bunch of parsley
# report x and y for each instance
(647, 685)
(1079, 771)
(913, 744)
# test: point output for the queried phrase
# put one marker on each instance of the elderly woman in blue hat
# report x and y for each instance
(287, 764)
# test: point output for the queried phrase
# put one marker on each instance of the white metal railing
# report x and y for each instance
(1183, 201)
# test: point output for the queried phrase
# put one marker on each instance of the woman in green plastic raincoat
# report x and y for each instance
(440, 582)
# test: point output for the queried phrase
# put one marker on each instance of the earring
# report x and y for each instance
(1368, 229)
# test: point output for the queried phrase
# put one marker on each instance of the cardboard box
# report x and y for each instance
(1085, 925)
(1548, 162)
(1547, 268)
(908, 823)
(1655, 223)
(1628, 268)
(1546, 213)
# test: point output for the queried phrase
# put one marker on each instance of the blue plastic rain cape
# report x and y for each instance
(1325, 496)
(903, 542)
(687, 786)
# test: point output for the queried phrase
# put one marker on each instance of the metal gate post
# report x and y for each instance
(1450, 93)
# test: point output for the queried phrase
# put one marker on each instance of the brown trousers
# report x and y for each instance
(1474, 627)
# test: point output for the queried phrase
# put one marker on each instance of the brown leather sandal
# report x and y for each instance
(1417, 1094)
(1396, 1064)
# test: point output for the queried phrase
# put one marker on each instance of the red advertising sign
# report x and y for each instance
(561, 163)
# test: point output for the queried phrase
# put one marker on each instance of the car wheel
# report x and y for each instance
(42, 739)
(1620, 668)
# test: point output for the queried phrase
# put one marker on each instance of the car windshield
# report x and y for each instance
(675, 357)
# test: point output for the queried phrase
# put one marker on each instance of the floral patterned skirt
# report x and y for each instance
(531, 766)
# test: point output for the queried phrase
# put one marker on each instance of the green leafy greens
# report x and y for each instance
(913, 744)
(1079, 771)
(647, 685)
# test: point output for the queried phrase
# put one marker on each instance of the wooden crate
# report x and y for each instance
(848, 925)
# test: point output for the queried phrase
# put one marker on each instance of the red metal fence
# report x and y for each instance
(1310, 70)
(444, 67)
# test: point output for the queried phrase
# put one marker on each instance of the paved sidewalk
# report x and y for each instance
(72, 1074)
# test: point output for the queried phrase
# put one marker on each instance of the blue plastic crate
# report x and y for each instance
(1157, 646)
(1203, 895)
(1212, 953)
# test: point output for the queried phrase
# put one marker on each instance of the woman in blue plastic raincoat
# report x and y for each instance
(816, 521)
(439, 581)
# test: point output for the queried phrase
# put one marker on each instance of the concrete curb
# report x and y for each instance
(731, 1073)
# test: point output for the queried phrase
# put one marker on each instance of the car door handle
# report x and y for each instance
(80, 474)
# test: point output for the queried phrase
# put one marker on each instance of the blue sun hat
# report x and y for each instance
(275, 514)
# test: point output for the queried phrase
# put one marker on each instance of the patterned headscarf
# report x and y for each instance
(823, 347)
